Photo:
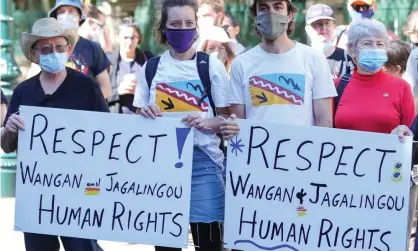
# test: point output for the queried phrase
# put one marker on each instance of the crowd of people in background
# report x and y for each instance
(358, 76)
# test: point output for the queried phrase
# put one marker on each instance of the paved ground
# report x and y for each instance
(13, 241)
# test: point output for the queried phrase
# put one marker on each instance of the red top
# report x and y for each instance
(375, 103)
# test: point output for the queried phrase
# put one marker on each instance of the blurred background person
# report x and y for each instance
(398, 53)
(411, 28)
(126, 62)
(320, 27)
(209, 14)
(358, 10)
(411, 74)
(94, 28)
(110, 23)
(220, 44)
(87, 56)
(231, 25)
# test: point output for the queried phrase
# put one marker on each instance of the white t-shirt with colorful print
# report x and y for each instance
(280, 88)
(178, 91)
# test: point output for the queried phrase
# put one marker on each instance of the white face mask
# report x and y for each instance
(68, 21)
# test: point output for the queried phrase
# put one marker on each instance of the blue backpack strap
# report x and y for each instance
(345, 79)
(151, 70)
(202, 61)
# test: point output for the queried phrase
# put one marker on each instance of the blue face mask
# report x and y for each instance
(372, 60)
(54, 62)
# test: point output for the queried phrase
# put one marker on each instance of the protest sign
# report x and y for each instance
(316, 189)
(104, 176)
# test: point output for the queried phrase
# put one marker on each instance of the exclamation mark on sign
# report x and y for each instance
(181, 134)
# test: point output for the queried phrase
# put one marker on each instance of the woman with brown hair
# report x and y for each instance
(190, 85)
(220, 44)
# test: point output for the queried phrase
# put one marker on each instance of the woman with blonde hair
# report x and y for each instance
(219, 43)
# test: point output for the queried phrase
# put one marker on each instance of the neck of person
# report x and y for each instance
(53, 79)
(280, 45)
(127, 55)
(361, 71)
(330, 51)
(187, 55)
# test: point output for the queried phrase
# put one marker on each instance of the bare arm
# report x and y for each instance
(104, 82)
(3, 113)
(323, 112)
(239, 111)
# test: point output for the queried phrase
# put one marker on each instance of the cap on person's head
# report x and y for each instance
(361, 2)
(215, 33)
(254, 1)
(318, 12)
(46, 28)
(74, 3)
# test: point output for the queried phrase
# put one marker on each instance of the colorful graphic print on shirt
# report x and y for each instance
(277, 89)
(182, 96)
(78, 63)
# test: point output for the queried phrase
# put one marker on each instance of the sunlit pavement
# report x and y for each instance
(13, 241)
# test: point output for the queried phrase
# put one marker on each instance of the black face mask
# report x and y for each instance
(414, 46)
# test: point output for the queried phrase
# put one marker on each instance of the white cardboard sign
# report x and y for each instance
(316, 189)
(104, 176)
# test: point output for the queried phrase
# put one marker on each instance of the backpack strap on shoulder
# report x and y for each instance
(151, 70)
(340, 35)
(345, 79)
(202, 61)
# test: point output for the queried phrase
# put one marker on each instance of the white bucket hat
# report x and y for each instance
(216, 34)
(46, 28)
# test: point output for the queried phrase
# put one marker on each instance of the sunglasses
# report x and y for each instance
(46, 50)
(361, 7)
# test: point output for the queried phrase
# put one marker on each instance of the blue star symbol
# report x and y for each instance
(236, 146)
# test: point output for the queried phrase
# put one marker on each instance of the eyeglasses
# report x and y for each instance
(131, 38)
(360, 8)
(319, 25)
(214, 49)
(46, 50)
(95, 21)
(226, 26)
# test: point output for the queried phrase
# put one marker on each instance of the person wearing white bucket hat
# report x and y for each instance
(219, 44)
(56, 86)
(87, 56)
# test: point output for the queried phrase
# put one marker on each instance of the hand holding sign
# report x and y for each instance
(151, 111)
(229, 128)
(15, 123)
(194, 120)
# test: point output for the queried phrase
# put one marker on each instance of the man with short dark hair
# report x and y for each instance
(280, 80)
(210, 12)
(95, 29)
